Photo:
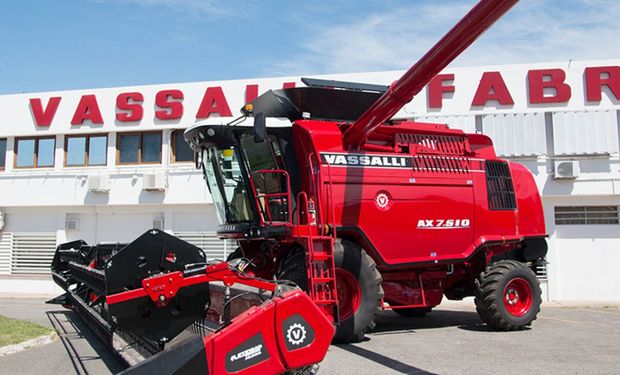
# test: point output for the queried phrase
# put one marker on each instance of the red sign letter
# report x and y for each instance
(492, 87)
(134, 111)
(251, 93)
(214, 101)
(44, 117)
(87, 109)
(595, 82)
(555, 80)
(172, 109)
(436, 89)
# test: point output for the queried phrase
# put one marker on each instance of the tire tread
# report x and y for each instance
(486, 295)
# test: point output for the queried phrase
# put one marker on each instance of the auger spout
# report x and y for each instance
(462, 35)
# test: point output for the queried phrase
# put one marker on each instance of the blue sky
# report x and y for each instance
(71, 44)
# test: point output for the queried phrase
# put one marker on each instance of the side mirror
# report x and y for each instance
(260, 127)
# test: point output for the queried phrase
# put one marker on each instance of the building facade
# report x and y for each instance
(105, 165)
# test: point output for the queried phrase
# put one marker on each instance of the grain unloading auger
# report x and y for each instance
(360, 212)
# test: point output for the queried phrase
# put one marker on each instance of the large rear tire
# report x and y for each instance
(508, 296)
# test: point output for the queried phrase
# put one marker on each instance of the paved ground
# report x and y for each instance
(451, 340)
(78, 350)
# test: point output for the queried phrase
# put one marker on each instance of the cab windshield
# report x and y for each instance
(230, 190)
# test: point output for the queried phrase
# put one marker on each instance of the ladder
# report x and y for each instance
(320, 261)
(321, 274)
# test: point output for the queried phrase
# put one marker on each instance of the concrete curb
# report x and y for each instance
(28, 295)
(32, 343)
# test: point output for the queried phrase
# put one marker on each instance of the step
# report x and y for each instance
(325, 301)
(320, 257)
(323, 279)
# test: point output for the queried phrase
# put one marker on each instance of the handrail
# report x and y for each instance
(316, 185)
(330, 201)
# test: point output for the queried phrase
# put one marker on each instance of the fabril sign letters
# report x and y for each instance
(543, 86)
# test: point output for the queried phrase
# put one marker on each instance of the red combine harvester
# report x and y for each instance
(359, 211)
(365, 213)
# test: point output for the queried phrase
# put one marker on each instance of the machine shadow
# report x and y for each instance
(70, 329)
(389, 322)
(383, 360)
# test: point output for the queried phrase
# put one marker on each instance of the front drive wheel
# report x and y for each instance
(358, 284)
(508, 296)
(236, 254)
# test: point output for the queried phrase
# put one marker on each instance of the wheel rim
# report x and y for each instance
(349, 294)
(518, 296)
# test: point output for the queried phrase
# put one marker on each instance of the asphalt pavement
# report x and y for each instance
(576, 339)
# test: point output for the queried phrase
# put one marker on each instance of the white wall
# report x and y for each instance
(583, 259)
(109, 223)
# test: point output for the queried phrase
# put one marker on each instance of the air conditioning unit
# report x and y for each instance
(565, 169)
(99, 183)
(72, 224)
(154, 181)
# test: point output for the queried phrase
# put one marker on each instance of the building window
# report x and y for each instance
(86, 150)
(180, 149)
(139, 148)
(2, 153)
(34, 152)
(582, 215)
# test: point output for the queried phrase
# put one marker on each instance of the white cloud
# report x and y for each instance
(197, 8)
(535, 30)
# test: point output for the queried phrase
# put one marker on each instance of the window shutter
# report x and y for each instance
(6, 244)
(214, 248)
(33, 253)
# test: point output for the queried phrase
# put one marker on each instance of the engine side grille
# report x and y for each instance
(433, 144)
(440, 164)
(499, 186)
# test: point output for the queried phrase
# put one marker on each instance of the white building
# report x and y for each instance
(107, 164)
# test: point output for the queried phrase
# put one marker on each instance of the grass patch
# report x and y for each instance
(14, 331)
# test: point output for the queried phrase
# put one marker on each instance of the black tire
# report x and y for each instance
(354, 259)
(235, 254)
(414, 312)
(293, 268)
(490, 298)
